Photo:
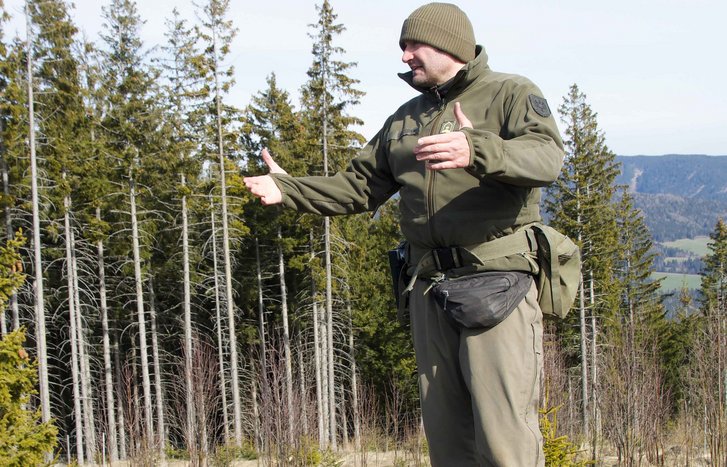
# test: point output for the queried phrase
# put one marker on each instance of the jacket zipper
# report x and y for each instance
(433, 173)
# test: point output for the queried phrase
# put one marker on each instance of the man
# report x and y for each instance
(468, 157)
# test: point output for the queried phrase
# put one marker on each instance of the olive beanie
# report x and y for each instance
(441, 25)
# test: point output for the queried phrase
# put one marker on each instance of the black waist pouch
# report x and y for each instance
(482, 300)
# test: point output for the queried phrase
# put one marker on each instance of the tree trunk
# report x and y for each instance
(303, 385)
(322, 438)
(73, 323)
(585, 414)
(161, 429)
(594, 371)
(187, 317)
(261, 313)
(40, 331)
(220, 343)
(329, 339)
(263, 375)
(329, 285)
(257, 430)
(227, 259)
(583, 332)
(83, 358)
(138, 439)
(120, 398)
(354, 381)
(286, 337)
(343, 410)
(108, 375)
(146, 382)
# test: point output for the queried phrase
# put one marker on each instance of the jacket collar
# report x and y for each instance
(464, 77)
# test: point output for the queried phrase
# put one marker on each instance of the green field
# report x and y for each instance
(697, 246)
(677, 281)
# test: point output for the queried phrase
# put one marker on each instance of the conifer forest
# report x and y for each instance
(167, 315)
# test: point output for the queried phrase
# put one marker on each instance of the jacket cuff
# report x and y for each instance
(485, 150)
(280, 181)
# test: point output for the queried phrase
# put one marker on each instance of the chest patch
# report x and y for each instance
(540, 105)
(446, 127)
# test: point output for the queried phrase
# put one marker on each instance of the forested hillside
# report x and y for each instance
(172, 316)
(681, 196)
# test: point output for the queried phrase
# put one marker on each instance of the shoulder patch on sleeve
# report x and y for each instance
(540, 105)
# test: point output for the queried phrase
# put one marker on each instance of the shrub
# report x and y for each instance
(24, 440)
(559, 450)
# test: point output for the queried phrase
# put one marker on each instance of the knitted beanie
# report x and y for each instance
(441, 25)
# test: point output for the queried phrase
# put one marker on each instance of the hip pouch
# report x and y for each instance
(482, 300)
(560, 271)
(399, 281)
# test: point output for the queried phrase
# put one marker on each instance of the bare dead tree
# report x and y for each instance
(706, 385)
(558, 383)
(633, 399)
(207, 429)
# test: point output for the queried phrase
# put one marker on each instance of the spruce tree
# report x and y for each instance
(63, 137)
(581, 205)
(326, 98)
(632, 390)
(131, 122)
(271, 122)
(641, 303)
(384, 350)
(708, 356)
(6, 201)
(179, 91)
(714, 275)
(220, 142)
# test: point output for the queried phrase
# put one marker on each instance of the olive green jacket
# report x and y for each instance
(515, 149)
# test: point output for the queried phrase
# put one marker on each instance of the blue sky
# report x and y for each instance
(652, 70)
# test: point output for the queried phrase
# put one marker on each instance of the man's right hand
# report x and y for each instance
(263, 186)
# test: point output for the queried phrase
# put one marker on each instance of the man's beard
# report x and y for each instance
(423, 80)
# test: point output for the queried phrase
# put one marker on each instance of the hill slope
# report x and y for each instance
(681, 196)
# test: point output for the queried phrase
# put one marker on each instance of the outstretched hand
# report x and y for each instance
(263, 186)
(446, 150)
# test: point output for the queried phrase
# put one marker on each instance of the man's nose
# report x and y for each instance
(407, 55)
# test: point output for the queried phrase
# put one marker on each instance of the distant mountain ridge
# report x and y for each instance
(681, 196)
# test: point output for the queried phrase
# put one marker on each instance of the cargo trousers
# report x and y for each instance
(479, 388)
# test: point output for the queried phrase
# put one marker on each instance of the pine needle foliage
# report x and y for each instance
(559, 450)
(24, 440)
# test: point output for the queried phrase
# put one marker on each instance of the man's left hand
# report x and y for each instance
(446, 150)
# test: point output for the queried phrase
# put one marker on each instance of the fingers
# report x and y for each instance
(446, 150)
(264, 187)
(438, 145)
(432, 165)
(441, 142)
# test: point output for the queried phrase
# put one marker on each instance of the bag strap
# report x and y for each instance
(519, 242)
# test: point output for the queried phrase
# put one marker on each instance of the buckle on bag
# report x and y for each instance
(446, 258)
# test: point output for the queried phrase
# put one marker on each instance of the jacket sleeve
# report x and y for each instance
(528, 151)
(363, 186)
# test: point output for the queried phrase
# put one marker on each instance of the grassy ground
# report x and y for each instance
(677, 281)
(697, 246)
